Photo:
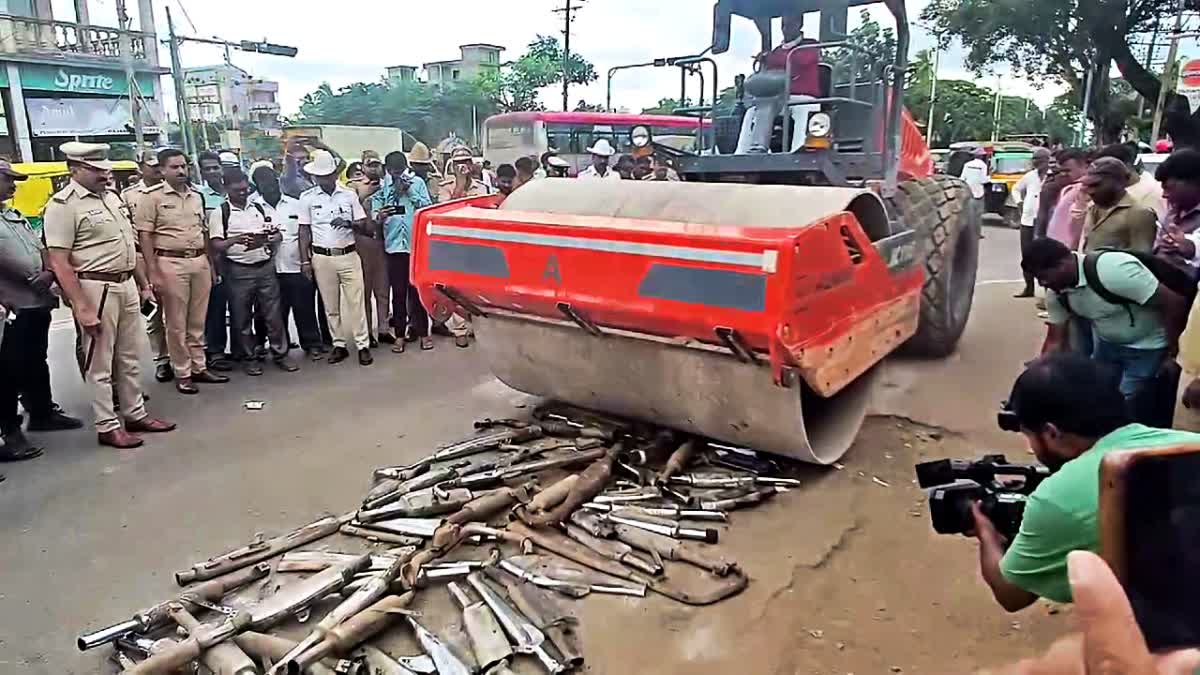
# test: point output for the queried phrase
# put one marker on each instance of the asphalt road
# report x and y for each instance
(92, 534)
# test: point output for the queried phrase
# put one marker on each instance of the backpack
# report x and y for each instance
(226, 210)
(1167, 274)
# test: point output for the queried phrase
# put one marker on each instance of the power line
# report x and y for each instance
(186, 16)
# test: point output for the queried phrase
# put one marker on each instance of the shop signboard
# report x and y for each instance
(81, 80)
(87, 117)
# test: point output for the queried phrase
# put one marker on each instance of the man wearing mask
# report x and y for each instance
(151, 176)
(297, 291)
(392, 209)
(93, 258)
(25, 282)
(601, 151)
(370, 251)
(170, 223)
(240, 232)
(1115, 219)
(1028, 193)
(330, 214)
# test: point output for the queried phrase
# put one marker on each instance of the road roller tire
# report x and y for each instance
(938, 210)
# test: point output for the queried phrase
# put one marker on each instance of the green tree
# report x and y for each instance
(517, 85)
(1062, 41)
(584, 106)
(870, 48)
(666, 106)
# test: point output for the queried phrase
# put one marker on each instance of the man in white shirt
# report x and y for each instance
(297, 293)
(1028, 194)
(329, 214)
(601, 151)
(975, 174)
(241, 231)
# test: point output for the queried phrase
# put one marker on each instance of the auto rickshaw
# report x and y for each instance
(1009, 161)
(46, 178)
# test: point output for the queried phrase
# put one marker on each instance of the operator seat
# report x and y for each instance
(769, 96)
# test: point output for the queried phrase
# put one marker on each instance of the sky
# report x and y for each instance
(341, 44)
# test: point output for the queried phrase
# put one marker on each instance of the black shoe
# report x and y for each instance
(1027, 293)
(285, 363)
(205, 377)
(440, 329)
(55, 420)
(293, 345)
(314, 354)
(220, 364)
(364, 357)
(253, 368)
(163, 372)
(338, 355)
(16, 447)
(387, 338)
(373, 343)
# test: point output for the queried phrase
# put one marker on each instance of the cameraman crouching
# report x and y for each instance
(1071, 410)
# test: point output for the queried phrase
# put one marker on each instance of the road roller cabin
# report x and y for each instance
(749, 302)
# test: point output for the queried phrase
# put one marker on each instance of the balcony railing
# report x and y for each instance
(28, 35)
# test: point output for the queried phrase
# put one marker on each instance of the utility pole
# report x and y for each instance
(996, 113)
(937, 57)
(1167, 83)
(135, 94)
(185, 116)
(1087, 103)
(568, 11)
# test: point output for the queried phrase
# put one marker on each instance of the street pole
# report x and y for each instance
(566, 56)
(185, 117)
(1087, 102)
(135, 94)
(1167, 83)
(996, 113)
(937, 57)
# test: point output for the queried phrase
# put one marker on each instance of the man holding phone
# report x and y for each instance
(392, 208)
(1071, 411)
(242, 233)
(329, 215)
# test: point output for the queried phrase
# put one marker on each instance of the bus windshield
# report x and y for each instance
(510, 136)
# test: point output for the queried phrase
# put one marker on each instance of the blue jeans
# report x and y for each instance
(1137, 366)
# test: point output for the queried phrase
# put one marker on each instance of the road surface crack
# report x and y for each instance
(840, 544)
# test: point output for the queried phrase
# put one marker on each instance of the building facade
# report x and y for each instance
(397, 74)
(474, 60)
(228, 95)
(66, 80)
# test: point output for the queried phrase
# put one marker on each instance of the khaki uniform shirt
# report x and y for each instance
(446, 190)
(1125, 225)
(93, 227)
(175, 219)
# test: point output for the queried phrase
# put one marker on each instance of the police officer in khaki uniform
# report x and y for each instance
(151, 176)
(170, 225)
(93, 257)
(457, 186)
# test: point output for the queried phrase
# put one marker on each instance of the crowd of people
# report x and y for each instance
(1115, 248)
(215, 269)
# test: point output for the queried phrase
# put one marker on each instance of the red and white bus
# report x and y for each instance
(529, 134)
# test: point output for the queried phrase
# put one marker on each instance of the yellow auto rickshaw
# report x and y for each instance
(46, 178)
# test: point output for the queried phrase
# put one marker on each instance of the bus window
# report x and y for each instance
(562, 138)
(509, 136)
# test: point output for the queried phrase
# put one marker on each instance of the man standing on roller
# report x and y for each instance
(93, 258)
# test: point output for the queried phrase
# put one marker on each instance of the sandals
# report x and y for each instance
(426, 343)
(398, 347)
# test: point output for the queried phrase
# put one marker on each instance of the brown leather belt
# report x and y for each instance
(333, 251)
(179, 253)
(110, 277)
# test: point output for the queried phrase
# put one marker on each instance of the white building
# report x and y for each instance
(475, 60)
(228, 93)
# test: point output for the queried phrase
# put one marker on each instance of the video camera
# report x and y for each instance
(1000, 488)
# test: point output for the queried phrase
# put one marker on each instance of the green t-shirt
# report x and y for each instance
(1123, 275)
(1061, 514)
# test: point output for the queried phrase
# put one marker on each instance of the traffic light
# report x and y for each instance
(268, 48)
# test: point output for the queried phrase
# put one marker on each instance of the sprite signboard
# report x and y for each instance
(82, 80)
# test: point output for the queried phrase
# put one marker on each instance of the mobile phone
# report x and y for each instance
(1150, 537)
(149, 309)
